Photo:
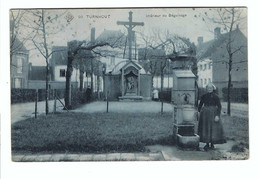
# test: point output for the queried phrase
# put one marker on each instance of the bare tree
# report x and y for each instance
(227, 18)
(41, 24)
(17, 37)
(161, 46)
(74, 48)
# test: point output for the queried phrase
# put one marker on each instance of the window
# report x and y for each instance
(205, 81)
(209, 66)
(62, 72)
(201, 82)
(18, 83)
(200, 67)
(205, 66)
(19, 65)
(209, 80)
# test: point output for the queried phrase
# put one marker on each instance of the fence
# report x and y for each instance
(28, 95)
(236, 95)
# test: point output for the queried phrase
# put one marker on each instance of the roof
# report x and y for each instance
(207, 48)
(18, 46)
(124, 64)
(183, 73)
(60, 55)
(112, 36)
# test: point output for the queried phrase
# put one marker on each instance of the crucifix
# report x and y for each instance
(130, 25)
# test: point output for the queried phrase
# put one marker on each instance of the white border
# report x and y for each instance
(201, 169)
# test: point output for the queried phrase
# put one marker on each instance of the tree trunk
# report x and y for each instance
(152, 81)
(81, 77)
(91, 77)
(229, 85)
(230, 62)
(68, 81)
(162, 77)
(98, 86)
(47, 91)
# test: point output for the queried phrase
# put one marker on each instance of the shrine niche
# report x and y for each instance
(131, 84)
(131, 76)
(128, 81)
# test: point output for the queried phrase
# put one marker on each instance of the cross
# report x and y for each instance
(130, 25)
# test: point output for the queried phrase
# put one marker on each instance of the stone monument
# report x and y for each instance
(184, 111)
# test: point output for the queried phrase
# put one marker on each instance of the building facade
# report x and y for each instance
(19, 66)
(204, 72)
(215, 52)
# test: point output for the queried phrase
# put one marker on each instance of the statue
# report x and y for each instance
(130, 83)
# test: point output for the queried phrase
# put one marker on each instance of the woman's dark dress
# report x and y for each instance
(210, 131)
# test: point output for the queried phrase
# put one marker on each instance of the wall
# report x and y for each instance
(204, 72)
(237, 84)
(113, 86)
(75, 77)
(57, 77)
(239, 72)
(109, 62)
(146, 86)
(20, 71)
(167, 82)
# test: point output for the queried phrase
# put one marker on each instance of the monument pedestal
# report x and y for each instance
(184, 112)
(130, 98)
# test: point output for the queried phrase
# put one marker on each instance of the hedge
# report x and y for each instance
(165, 95)
(29, 95)
(236, 94)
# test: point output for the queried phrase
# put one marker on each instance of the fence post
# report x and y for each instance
(36, 100)
(54, 96)
(107, 101)
(161, 106)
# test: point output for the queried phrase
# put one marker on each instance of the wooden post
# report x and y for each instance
(36, 100)
(107, 101)
(55, 99)
(49, 91)
(162, 107)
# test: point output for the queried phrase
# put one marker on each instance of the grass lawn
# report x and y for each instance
(106, 132)
(237, 129)
(95, 133)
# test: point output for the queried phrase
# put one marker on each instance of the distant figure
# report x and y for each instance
(210, 124)
(88, 94)
(155, 95)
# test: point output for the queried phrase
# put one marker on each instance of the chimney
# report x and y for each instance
(200, 40)
(217, 33)
(92, 35)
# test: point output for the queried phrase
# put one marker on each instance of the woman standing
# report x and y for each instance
(210, 125)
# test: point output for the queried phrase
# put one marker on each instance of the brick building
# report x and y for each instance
(213, 60)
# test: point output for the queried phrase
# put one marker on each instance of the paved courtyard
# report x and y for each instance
(156, 153)
(22, 111)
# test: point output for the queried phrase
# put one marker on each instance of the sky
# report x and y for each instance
(76, 24)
